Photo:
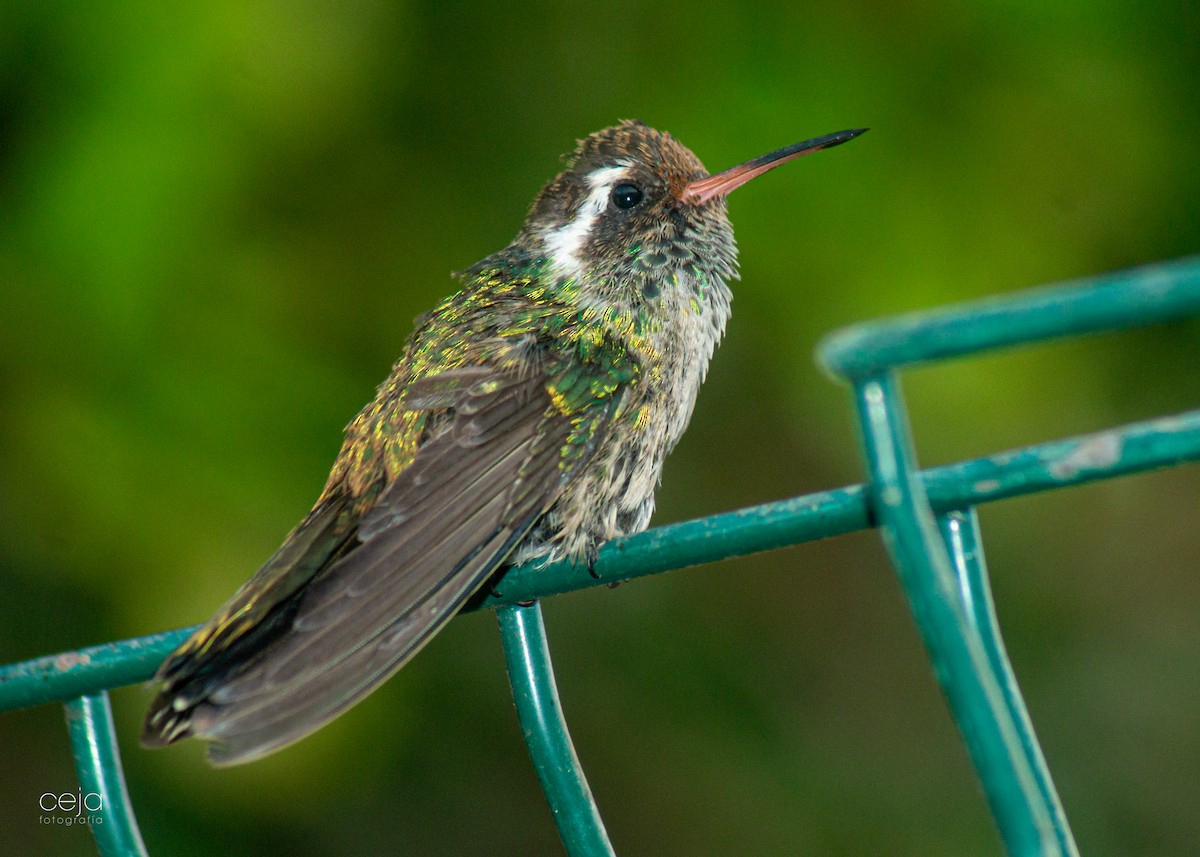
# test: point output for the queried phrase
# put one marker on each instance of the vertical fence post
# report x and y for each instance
(98, 766)
(536, 696)
(958, 655)
(960, 530)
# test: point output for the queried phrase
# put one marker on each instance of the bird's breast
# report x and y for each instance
(614, 496)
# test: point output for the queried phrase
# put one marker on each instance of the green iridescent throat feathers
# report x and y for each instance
(528, 419)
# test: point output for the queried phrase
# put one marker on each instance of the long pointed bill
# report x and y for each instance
(702, 190)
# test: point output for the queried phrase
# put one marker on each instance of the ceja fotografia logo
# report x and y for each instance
(71, 808)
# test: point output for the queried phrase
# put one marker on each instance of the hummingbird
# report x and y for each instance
(526, 421)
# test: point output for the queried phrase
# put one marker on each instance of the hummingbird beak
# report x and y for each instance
(702, 190)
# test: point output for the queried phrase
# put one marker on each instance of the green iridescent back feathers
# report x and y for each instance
(509, 317)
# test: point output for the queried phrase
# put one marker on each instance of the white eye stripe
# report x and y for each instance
(607, 176)
(563, 244)
(601, 182)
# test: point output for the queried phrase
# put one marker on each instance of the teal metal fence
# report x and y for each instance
(926, 517)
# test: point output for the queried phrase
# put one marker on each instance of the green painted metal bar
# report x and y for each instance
(1133, 298)
(960, 662)
(937, 572)
(960, 531)
(71, 674)
(1135, 448)
(535, 694)
(101, 778)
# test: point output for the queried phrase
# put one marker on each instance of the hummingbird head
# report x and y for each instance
(634, 209)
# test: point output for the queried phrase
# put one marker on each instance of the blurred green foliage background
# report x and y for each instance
(217, 221)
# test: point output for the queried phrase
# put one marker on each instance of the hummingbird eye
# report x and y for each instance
(626, 196)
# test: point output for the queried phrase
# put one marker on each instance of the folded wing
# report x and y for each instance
(384, 583)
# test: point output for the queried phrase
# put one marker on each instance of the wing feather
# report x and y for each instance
(431, 539)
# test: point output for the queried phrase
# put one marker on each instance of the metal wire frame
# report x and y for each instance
(926, 517)
(939, 557)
